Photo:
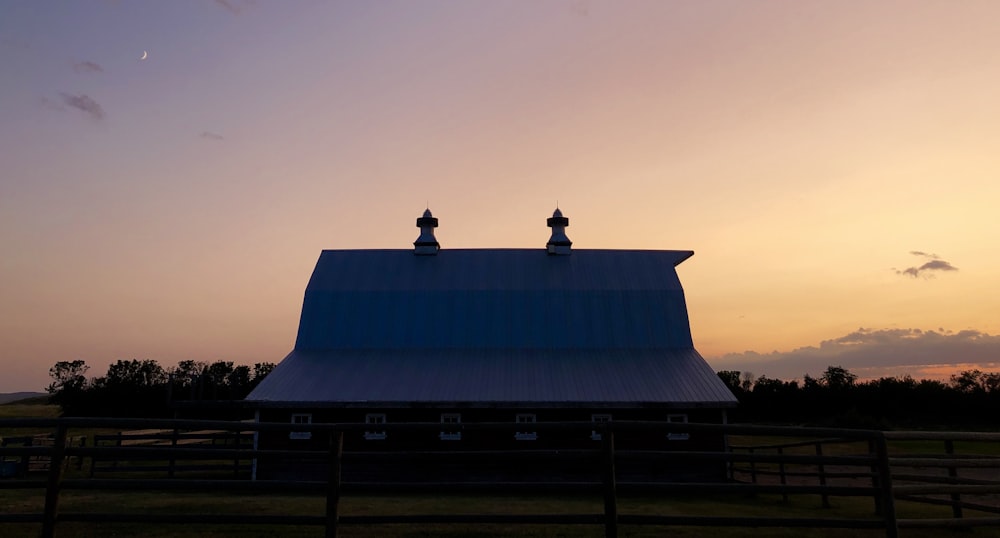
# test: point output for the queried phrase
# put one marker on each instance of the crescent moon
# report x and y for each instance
(144, 55)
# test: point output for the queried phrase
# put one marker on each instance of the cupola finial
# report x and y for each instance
(558, 244)
(426, 244)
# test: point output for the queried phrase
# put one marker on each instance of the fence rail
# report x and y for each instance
(921, 477)
(831, 463)
(111, 449)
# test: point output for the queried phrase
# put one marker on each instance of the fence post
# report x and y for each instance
(822, 475)
(781, 474)
(610, 487)
(237, 444)
(753, 467)
(173, 451)
(888, 502)
(119, 444)
(956, 499)
(79, 459)
(730, 472)
(93, 457)
(57, 456)
(876, 484)
(333, 483)
(25, 464)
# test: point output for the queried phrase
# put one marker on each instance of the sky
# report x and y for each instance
(833, 165)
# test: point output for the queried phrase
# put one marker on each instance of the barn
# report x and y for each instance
(492, 335)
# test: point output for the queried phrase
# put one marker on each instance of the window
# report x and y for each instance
(525, 436)
(598, 418)
(678, 436)
(375, 418)
(301, 418)
(451, 418)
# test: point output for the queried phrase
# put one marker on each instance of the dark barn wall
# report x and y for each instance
(491, 440)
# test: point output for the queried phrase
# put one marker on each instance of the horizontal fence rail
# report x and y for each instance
(218, 456)
(943, 478)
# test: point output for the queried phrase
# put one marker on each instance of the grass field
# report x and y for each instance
(181, 503)
(22, 410)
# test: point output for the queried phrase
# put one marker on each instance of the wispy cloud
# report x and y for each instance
(211, 136)
(874, 353)
(934, 263)
(87, 67)
(49, 104)
(85, 104)
(234, 6)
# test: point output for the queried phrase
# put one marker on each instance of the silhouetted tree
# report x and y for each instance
(732, 380)
(133, 387)
(68, 375)
(975, 381)
(838, 378)
(135, 374)
(837, 398)
(68, 383)
(142, 388)
(239, 378)
(261, 369)
(187, 372)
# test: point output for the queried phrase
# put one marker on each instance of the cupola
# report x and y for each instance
(426, 244)
(559, 244)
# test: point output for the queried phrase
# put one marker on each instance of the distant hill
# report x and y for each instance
(9, 397)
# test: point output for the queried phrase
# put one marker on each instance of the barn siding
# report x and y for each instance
(472, 440)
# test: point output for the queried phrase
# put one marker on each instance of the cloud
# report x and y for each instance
(212, 136)
(873, 353)
(935, 263)
(234, 6)
(84, 103)
(87, 67)
(49, 104)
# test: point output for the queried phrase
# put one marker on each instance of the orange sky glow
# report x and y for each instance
(832, 164)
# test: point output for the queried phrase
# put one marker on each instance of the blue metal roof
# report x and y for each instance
(484, 377)
(512, 299)
(495, 325)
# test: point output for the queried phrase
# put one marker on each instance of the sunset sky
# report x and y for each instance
(835, 166)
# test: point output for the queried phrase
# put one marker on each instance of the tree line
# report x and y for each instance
(837, 398)
(143, 388)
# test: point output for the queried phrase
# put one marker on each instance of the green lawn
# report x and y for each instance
(180, 504)
(21, 410)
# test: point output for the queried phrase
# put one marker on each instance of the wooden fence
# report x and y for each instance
(32, 463)
(160, 438)
(833, 463)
